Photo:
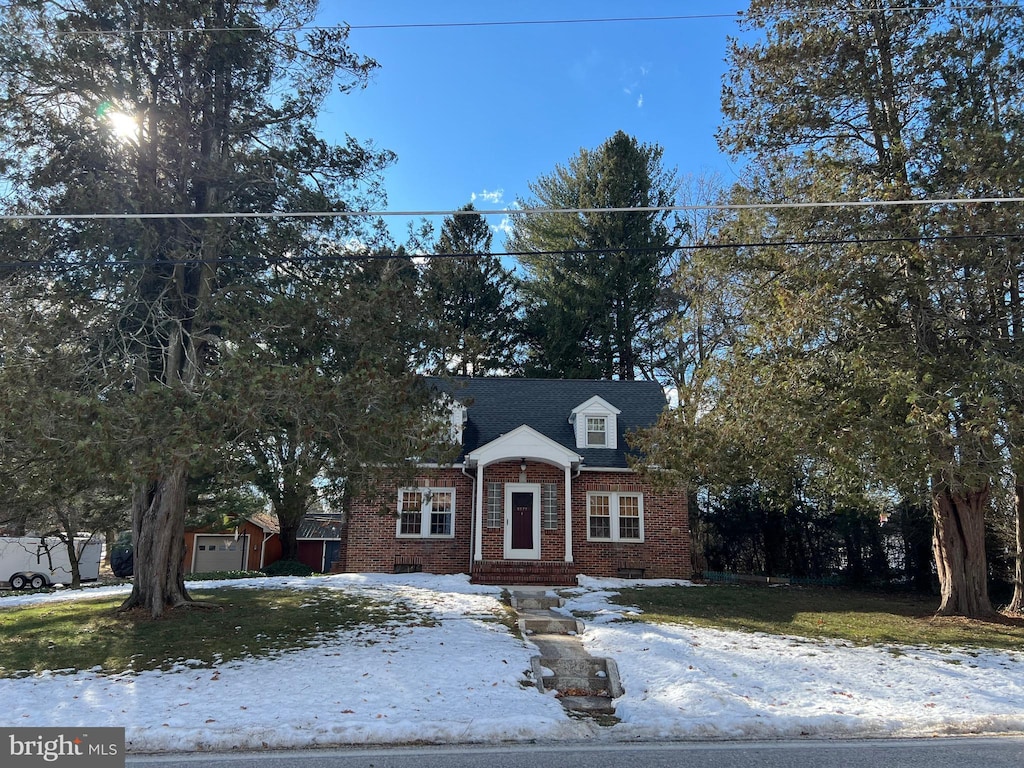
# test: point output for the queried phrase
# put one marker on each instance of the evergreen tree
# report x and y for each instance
(874, 348)
(469, 301)
(334, 406)
(216, 101)
(594, 281)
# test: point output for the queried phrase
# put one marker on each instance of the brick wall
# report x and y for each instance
(665, 550)
(552, 543)
(370, 544)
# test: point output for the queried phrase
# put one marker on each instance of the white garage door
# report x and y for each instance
(220, 553)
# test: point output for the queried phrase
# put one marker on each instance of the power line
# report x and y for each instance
(411, 25)
(740, 14)
(949, 201)
(355, 256)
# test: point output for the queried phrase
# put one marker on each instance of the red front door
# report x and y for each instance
(522, 520)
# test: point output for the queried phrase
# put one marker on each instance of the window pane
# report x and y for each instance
(440, 524)
(495, 505)
(629, 506)
(411, 500)
(442, 501)
(549, 505)
(599, 515)
(596, 431)
(410, 525)
(629, 517)
(629, 527)
(410, 513)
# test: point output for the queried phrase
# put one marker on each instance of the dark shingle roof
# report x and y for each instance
(499, 405)
(320, 527)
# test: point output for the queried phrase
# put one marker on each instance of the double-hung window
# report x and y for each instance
(615, 516)
(597, 431)
(427, 513)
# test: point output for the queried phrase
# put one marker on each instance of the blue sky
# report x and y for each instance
(476, 113)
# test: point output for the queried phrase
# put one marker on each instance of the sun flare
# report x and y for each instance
(123, 125)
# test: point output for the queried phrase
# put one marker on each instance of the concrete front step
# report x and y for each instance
(588, 705)
(535, 602)
(582, 675)
(537, 624)
(578, 674)
(585, 684)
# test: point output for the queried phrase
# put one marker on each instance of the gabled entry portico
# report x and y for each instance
(522, 500)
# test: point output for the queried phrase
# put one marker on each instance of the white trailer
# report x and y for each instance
(36, 561)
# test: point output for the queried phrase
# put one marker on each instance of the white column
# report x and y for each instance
(568, 514)
(478, 537)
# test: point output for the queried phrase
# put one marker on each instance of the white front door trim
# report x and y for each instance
(532, 553)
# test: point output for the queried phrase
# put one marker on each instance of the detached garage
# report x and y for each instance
(255, 543)
(221, 553)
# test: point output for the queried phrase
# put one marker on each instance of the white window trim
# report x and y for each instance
(595, 408)
(426, 509)
(613, 512)
(604, 430)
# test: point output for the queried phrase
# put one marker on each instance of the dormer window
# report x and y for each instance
(594, 423)
(453, 425)
(458, 421)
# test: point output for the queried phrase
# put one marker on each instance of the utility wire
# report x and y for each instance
(951, 201)
(740, 14)
(410, 25)
(369, 256)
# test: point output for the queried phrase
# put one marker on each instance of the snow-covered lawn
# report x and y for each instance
(685, 682)
(462, 681)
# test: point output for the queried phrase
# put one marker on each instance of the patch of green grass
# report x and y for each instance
(860, 617)
(233, 624)
(507, 615)
(222, 575)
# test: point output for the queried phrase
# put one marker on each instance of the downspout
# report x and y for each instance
(472, 517)
(570, 556)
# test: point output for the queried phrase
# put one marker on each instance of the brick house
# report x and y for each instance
(541, 491)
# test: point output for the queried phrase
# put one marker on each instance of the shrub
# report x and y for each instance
(287, 568)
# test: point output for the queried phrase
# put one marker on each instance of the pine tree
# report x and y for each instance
(469, 301)
(216, 102)
(594, 281)
(876, 347)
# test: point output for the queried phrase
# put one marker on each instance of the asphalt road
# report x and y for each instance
(1007, 752)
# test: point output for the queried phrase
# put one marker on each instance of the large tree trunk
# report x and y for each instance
(293, 505)
(158, 535)
(1017, 603)
(959, 545)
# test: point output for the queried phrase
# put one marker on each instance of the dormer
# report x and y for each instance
(594, 423)
(458, 420)
(457, 415)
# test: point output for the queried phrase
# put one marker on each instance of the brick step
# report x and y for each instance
(520, 572)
